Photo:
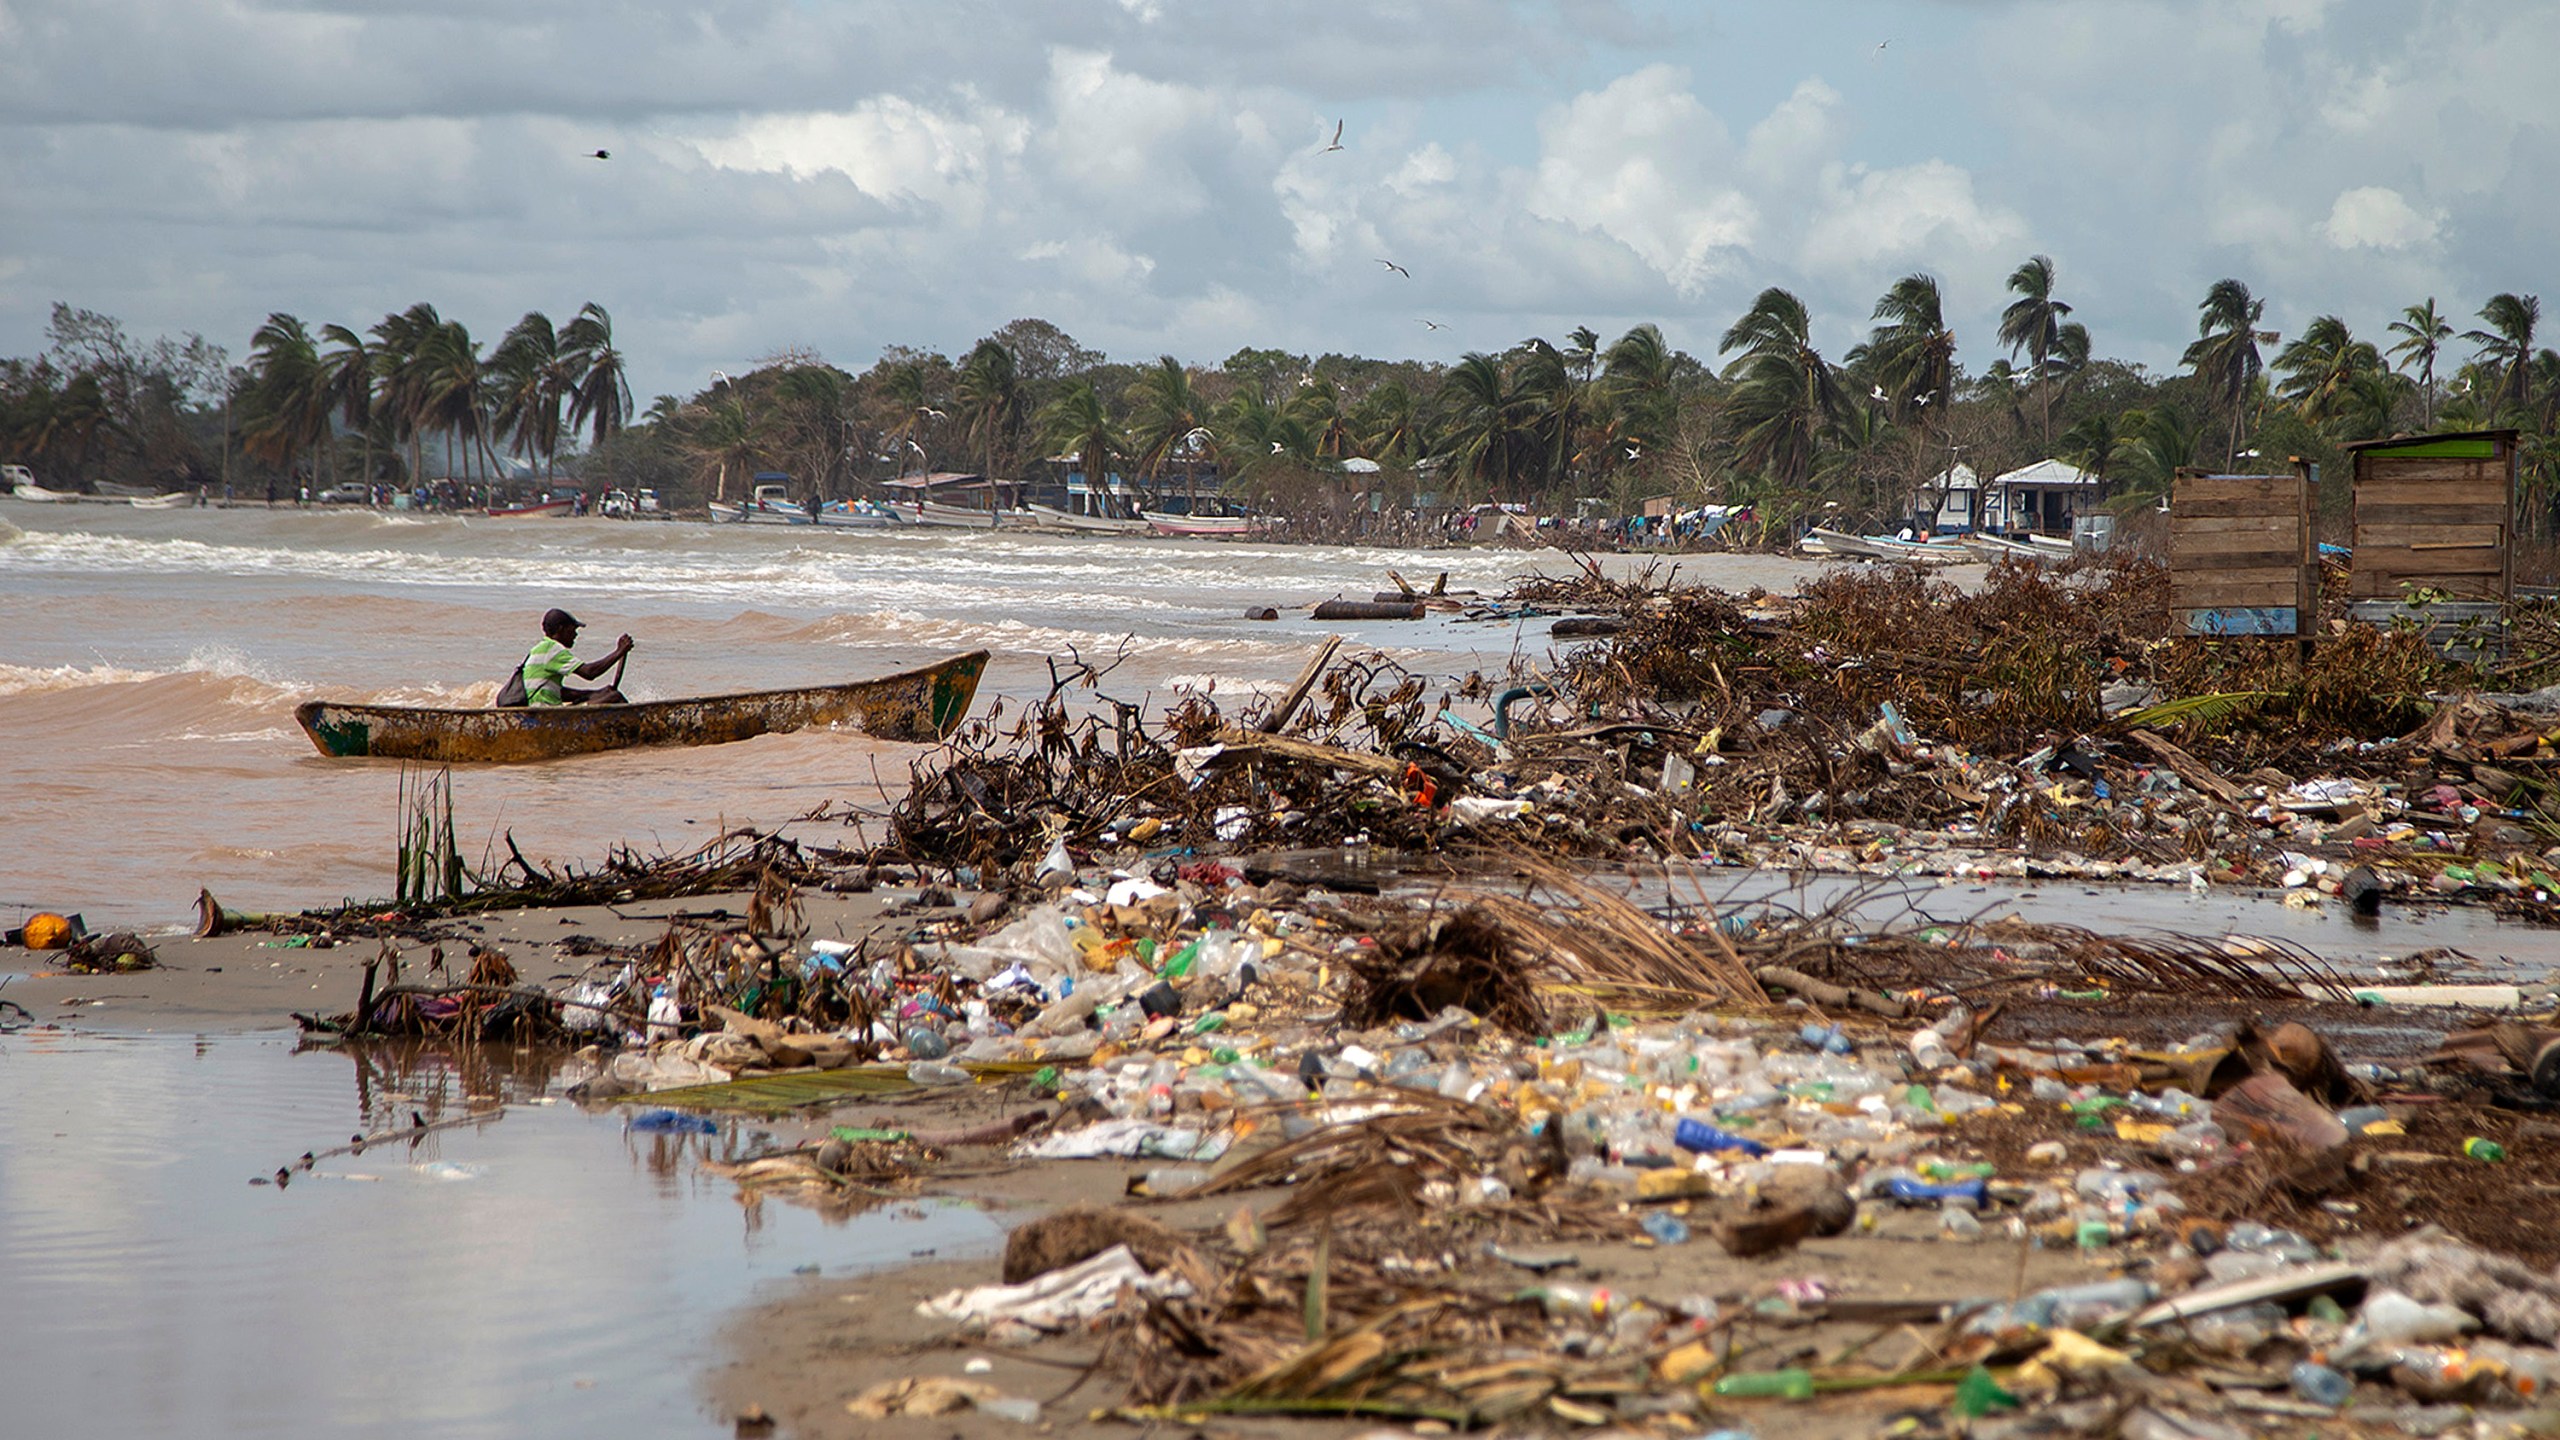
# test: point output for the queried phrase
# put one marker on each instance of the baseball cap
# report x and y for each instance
(551, 618)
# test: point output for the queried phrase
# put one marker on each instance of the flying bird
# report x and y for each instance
(930, 413)
(1337, 138)
(1877, 392)
(599, 154)
(1880, 46)
(1433, 325)
(1275, 447)
(1390, 264)
(1634, 454)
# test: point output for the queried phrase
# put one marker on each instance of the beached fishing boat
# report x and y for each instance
(531, 509)
(28, 490)
(1843, 545)
(853, 515)
(122, 491)
(920, 705)
(1211, 527)
(1996, 547)
(1050, 517)
(936, 515)
(171, 501)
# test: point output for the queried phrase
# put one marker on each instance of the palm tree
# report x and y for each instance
(2423, 333)
(1555, 407)
(1481, 431)
(2321, 368)
(1635, 404)
(2091, 443)
(1078, 421)
(2225, 354)
(717, 434)
(990, 396)
(2033, 322)
(2154, 444)
(1913, 353)
(532, 380)
(289, 405)
(400, 341)
(1784, 394)
(346, 383)
(449, 391)
(600, 394)
(2508, 345)
(1165, 410)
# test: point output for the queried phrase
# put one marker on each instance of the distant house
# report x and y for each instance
(1948, 501)
(2042, 499)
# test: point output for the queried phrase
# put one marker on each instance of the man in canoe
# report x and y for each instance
(550, 664)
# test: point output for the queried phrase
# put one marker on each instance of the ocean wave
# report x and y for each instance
(42, 680)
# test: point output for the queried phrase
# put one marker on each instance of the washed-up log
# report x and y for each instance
(1246, 744)
(1823, 992)
(2188, 768)
(1370, 610)
(1586, 626)
(1289, 703)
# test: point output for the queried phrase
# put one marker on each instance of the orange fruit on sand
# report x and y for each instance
(48, 931)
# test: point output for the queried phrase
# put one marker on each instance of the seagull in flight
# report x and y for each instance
(599, 154)
(1337, 138)
(1390, 264)
(1433, 325)
(1880, 46)
(1275, 447)
(1877, 392)
(1634, 454)
(930, 413)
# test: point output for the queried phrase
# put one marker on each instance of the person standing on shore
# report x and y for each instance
(551, 663)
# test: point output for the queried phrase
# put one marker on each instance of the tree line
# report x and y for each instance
(1771, 420)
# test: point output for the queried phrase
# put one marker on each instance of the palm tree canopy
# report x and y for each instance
(2033, 322)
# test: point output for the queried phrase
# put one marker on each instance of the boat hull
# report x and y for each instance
(37, 493)
(919, 705)
(1051, 517)
(1218, 527)
(522, 512)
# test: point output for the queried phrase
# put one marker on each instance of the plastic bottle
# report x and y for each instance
(2321, 1385)
(1956, 1220)
(937, 1072)
(1703, 1138)
(1665, 1227)
(1827, 1039)
(2077, 1307)
(665, 1017)
(1172, 1179)
(1788, 1384)
(1976, 1193)
(2486, 1151)
(2389, 1320)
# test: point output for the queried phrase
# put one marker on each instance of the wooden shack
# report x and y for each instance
(2436, 511)
(2241, 554)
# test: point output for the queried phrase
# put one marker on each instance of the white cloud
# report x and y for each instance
(2378, 218)
(1644, 163)
(1150, 173)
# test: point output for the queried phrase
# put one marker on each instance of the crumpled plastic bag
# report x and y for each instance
(1052, 1302)
(1129, 1138)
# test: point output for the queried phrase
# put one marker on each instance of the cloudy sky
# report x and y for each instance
(1151, 175)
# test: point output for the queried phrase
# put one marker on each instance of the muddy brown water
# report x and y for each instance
(546, 1271)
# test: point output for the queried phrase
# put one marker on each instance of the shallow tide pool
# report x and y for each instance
(546, 1271)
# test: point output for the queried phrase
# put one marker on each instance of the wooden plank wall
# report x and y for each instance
(2435, 522)
(2240, 547)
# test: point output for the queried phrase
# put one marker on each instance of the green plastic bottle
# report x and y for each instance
(1788, 1384)
(2488, 1152)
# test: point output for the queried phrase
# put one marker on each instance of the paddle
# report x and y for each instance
(615, 684)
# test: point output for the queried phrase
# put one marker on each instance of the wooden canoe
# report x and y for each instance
(920, 705)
